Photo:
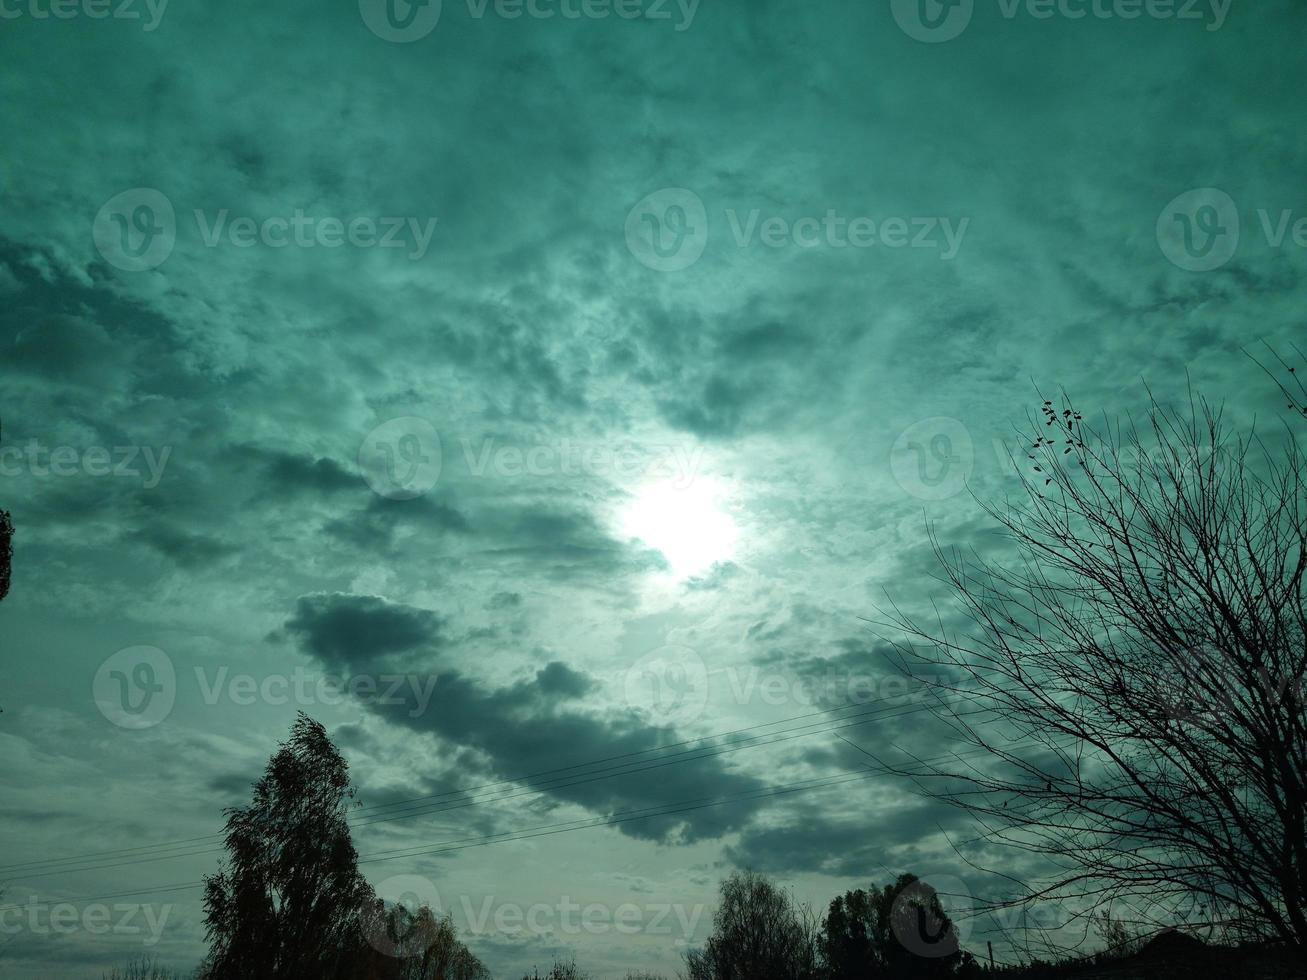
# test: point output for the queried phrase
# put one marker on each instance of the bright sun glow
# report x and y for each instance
(687, 524)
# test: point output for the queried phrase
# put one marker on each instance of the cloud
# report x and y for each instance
(186, 549)
(361, 631)
(534, 724)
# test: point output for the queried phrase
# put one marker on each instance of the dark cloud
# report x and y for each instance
(526, 726)
(290, 472)
(361, 631)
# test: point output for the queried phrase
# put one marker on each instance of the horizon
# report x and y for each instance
(516, 393)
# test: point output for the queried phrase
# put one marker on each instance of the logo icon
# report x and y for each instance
(400, 21)
(135, 687)
(670, 684)
(397, 929)
(1199, 230)
(933, 459)
(919, 921)
(136, 230)
(401, 458)
(933, 21)
(668, 230)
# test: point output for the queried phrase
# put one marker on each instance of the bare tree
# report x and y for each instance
(144, 968)
(759, 933)
(1133, 674)
(559, 971)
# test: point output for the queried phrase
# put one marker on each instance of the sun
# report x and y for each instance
(689, 525)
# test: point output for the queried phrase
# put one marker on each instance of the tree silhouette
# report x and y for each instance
(899, 931)
(416, 944)
(289, 904)
(759, 933)
(292, 905)
(6, 546)
(559, 971)
(1135, 675)
(144, 968)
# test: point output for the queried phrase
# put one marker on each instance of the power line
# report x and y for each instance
(50, 867)
(690, 756)
(549, 829)
(525, 833)
(399, 803)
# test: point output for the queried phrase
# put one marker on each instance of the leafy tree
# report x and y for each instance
(6, 551)
(418, 945)
(290, 902)
(899, 931)
(292, 905)
(849, 949)
(759, 933)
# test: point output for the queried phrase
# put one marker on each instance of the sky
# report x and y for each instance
(512, 386)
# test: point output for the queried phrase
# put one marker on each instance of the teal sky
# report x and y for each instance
(594, 376)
